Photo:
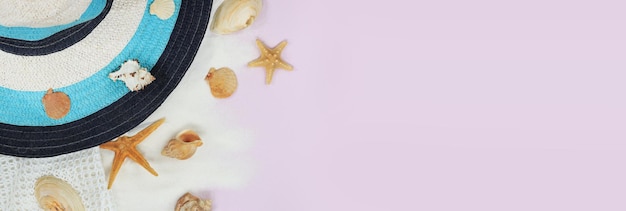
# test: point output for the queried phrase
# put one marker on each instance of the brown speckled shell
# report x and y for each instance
(222, 81)
(56, 104)
(190, 202)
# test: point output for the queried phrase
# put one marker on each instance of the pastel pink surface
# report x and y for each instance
(437, 105)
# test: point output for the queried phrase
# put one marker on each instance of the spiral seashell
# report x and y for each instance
(183, 146)
(134, 76)
(235, 15)
(56, 104)
(54, 194)
(189, 202)
(163, 9)
(223, 82)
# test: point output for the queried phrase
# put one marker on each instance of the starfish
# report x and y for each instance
(125, 146)
(270, 59)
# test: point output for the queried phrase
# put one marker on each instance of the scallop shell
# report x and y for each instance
(163, 9)
(223, 82)
(54, 194)
(56, 104)
(189, 202)
(235, 15)
(183, 146)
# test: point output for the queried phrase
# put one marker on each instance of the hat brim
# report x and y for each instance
(126, 113)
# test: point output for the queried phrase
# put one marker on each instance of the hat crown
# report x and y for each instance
(41, 13)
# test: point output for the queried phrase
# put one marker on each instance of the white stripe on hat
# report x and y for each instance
(41, 13)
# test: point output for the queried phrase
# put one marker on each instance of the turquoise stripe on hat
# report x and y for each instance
(25, 108)
(33, 34)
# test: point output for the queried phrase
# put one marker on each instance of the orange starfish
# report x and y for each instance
(124, 147)
(270, 59)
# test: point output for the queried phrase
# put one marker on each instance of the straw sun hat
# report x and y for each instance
(57, 89)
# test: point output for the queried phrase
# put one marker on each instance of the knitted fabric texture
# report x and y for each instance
(83, 170)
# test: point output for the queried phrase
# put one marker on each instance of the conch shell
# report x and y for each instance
(235, 15)
(54, 194)
(223, 82)
(134, 76)
(163, 9)
(56, 104)
(189, 202)
(183, 146)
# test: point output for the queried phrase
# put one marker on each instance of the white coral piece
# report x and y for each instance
(135, 76)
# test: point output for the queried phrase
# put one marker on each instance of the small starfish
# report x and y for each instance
(125, 146)
(270, 59)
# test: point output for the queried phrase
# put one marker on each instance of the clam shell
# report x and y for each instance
(164, 9)
(56, 104)
(189, 202)
(223, 82)
(55, 194)
(183, 146)
(235, 15)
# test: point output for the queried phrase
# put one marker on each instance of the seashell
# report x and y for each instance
(163, 9)
(223, 82)
(235, 15)
(183, 146)
(134, 76)
(56, 104)
(54, 194)
(189, 202)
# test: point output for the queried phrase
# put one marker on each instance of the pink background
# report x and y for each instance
(437, 105)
